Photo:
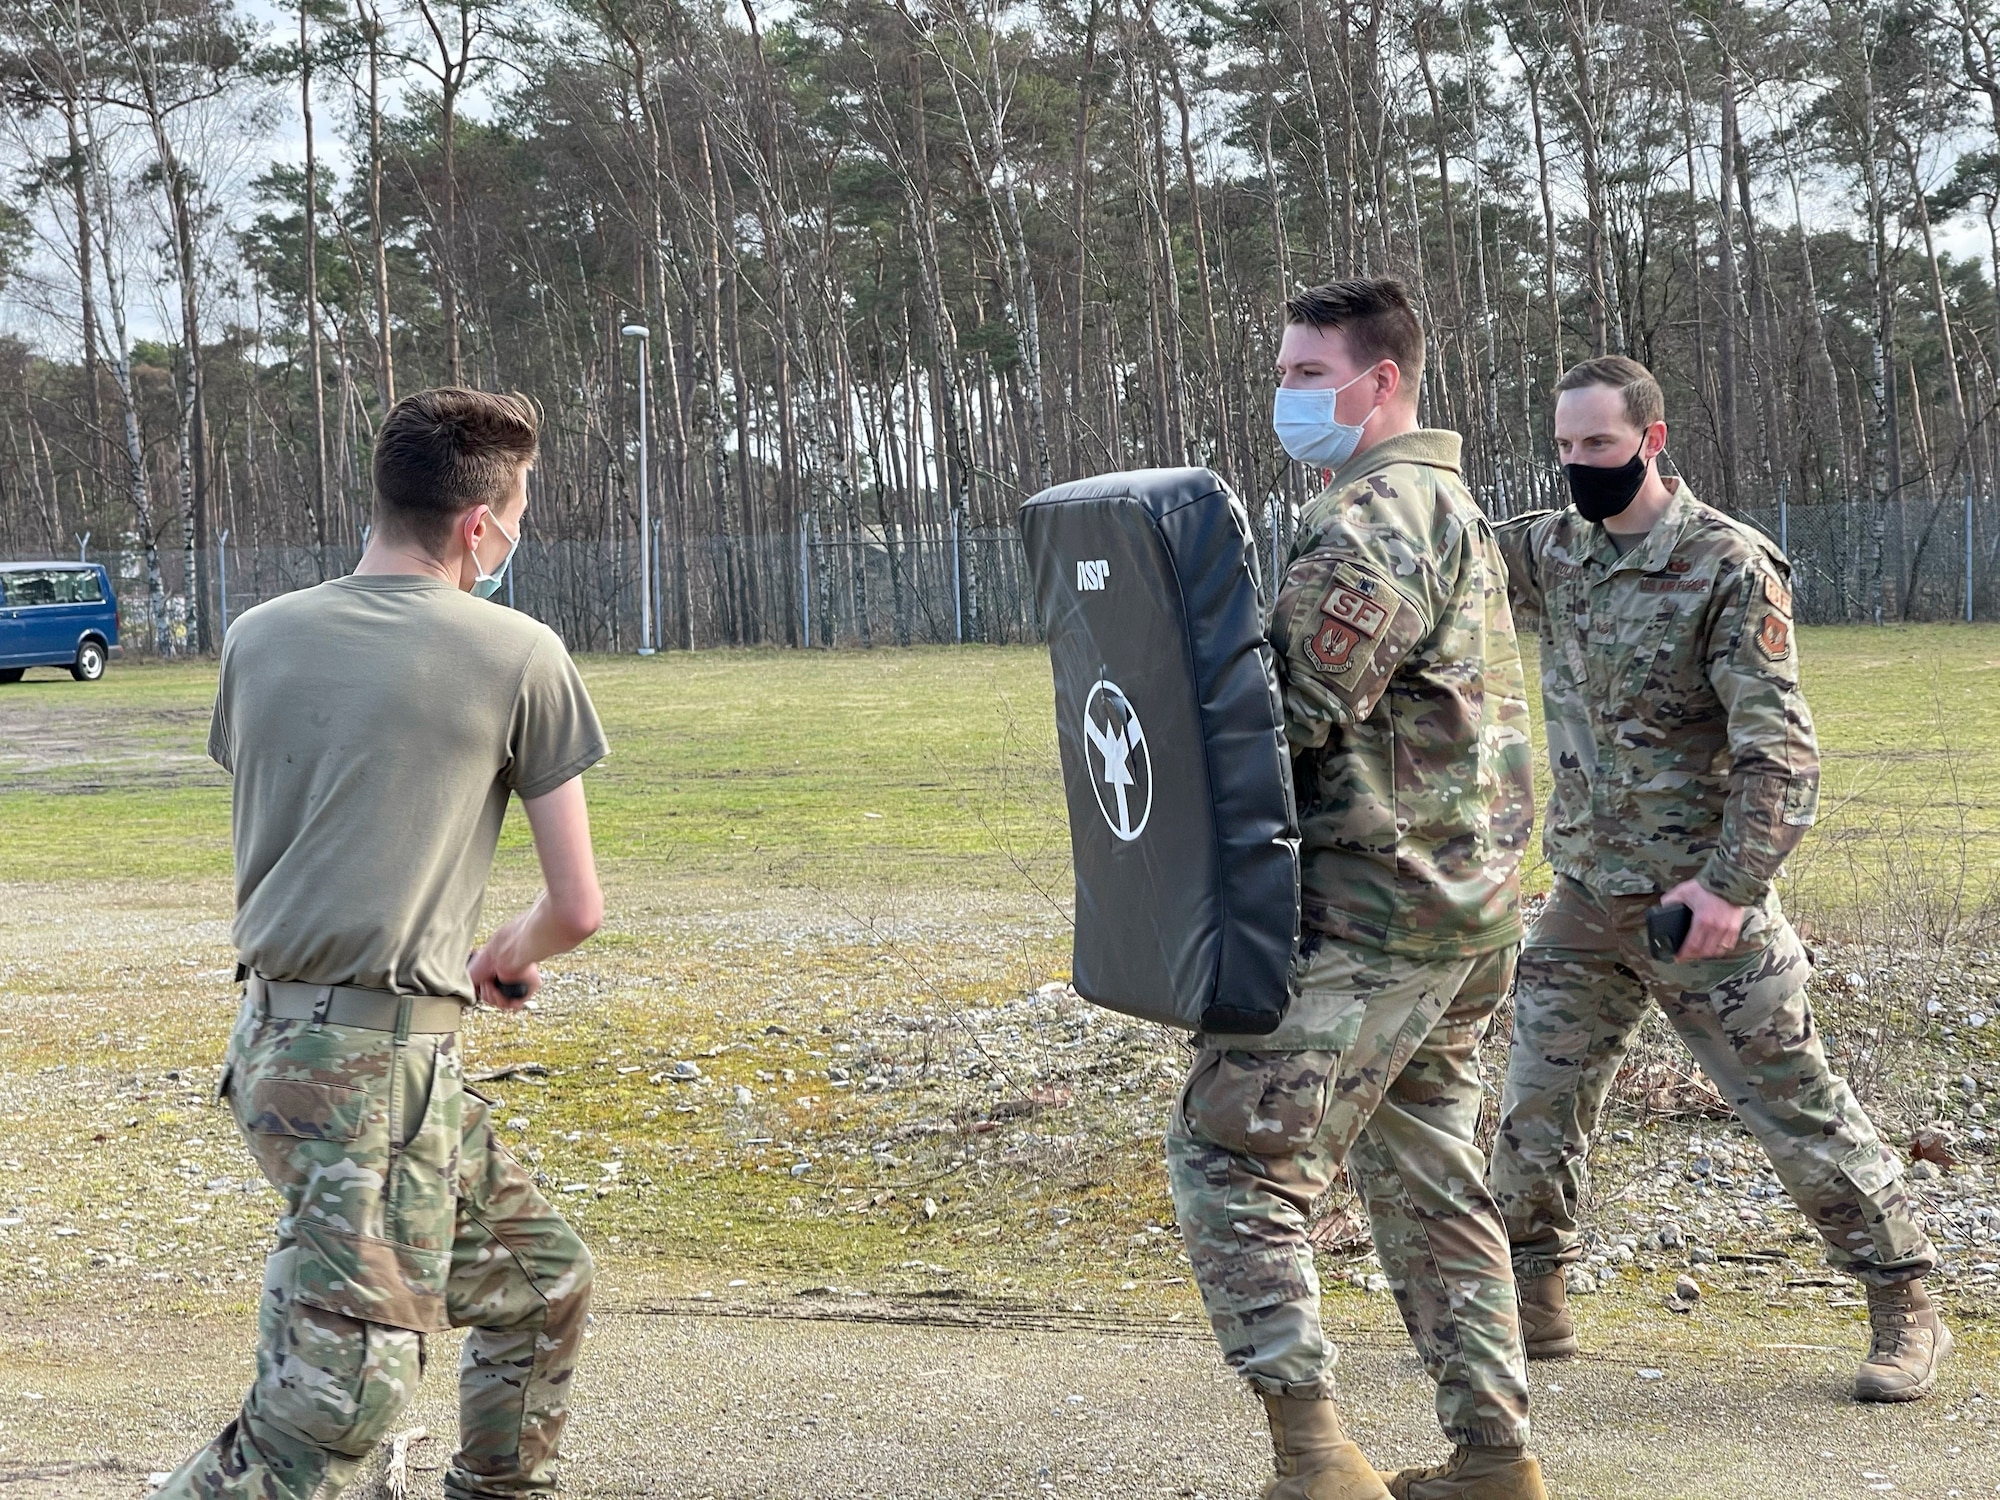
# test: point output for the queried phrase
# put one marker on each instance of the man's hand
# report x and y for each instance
(1718, 925)
(564, 914)
(497, 964)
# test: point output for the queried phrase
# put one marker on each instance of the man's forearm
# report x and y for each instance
(545, 929)
(1763, 821)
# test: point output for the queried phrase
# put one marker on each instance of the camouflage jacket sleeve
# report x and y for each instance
(1753, 664)
(1350, 609)
(1520, 539)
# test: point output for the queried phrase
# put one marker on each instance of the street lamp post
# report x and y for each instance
(643, 335)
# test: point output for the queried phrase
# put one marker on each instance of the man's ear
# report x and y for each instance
(1655, 439)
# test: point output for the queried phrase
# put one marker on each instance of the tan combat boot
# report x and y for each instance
(1547, 1331)
(1474, 1474)
(1315, 1458)
(1910, 1341)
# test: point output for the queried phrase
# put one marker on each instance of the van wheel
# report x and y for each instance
(11, 674)
(89, 664)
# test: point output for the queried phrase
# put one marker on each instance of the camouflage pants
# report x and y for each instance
(1375, 1068)
(1586, 983)
(403, 1216)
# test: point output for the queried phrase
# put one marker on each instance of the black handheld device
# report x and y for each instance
(507, 989)
(1666, 929)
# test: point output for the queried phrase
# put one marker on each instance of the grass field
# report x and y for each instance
(835, 883)
(903, 767)
(928, 769)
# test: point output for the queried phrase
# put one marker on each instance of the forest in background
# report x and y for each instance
(904, 265)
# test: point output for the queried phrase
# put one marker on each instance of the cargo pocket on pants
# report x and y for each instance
(1871, 1169)
(331, 1379)
(1259, 1103)
(370, 1280)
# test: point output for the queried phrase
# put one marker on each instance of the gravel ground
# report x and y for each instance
(890, 1119)
(705, 1405)
(883, 1096)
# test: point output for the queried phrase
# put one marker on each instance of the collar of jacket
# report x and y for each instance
(1651, 555)
(1427, 445)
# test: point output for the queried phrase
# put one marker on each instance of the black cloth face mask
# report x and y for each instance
(1603, 492)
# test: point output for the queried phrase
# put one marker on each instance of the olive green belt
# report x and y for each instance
(348, 1005)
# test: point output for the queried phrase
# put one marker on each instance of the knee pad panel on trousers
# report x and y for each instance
(336, 1382)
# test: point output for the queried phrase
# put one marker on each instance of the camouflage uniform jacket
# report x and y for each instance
(1678, 737)
(1406, 707)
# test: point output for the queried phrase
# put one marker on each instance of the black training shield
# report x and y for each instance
(1174, 758)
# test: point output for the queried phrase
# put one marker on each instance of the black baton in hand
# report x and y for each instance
(510, 989)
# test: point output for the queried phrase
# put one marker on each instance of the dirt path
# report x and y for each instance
(696, 1401)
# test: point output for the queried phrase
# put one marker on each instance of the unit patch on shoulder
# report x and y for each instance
(1778, 594)
(1774, 637)
(1342, 628)
(1332, 646)
(1346, 602)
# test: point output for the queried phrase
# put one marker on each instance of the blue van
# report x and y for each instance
(56, 614)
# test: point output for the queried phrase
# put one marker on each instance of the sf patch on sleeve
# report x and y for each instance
(1774, 634)
(1346, 627)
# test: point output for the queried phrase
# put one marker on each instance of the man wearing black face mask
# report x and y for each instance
(1684, 771)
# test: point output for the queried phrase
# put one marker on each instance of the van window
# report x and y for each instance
(55, 586)
(77, 586)
(30, 588)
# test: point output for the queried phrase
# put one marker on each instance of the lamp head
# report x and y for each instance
(636, 331)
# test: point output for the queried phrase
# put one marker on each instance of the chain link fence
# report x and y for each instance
(816, 586)
(1930, 558)
(1860, 561)
(1877, 562)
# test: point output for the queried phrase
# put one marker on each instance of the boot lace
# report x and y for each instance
(1893, 1330)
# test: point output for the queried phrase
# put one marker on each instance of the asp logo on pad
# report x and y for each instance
(1117, 758)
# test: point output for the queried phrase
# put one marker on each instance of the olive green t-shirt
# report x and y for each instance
(375, 727)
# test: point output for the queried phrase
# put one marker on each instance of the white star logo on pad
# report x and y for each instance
(1124, 771)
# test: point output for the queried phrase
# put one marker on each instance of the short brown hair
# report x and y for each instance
(1376, 315)
(441, 452)
(1644, 404)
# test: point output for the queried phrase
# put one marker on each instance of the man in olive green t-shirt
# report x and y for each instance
(376, 727)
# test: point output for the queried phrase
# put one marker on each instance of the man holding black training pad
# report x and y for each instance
(1405, 709)
(1685, 771)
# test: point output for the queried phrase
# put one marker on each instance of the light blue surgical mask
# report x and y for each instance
(486, 584)
(1306, 425)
